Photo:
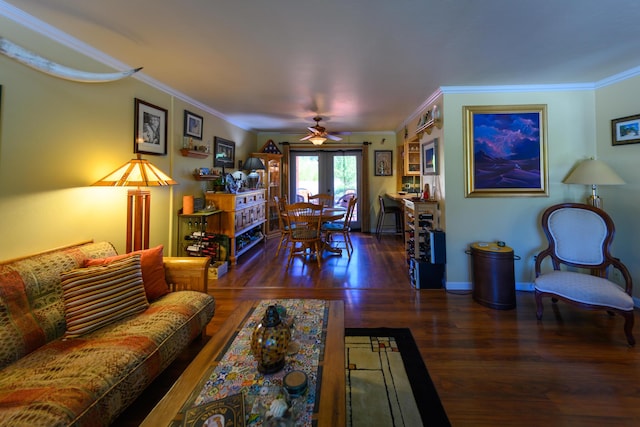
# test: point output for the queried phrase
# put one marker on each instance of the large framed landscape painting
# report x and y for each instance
(505, 151)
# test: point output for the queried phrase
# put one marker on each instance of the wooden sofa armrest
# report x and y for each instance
(187, 273)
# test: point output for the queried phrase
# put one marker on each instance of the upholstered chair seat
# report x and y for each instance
(585, 289)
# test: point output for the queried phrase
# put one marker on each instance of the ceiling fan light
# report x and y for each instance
(317, 140)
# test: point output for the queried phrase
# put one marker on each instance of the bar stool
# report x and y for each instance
(384, 210)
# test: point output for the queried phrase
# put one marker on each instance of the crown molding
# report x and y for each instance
(617, 78)
(38, 26)
(517, 88)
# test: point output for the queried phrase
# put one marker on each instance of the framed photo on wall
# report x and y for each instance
(193, 125)
(505, 151)
(224, 152)
(430, 157)
(625, 130)
(150, 129)
(383, 163)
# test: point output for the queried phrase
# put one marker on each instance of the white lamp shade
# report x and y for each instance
(590, 172)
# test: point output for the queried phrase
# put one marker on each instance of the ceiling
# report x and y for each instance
(363, 65)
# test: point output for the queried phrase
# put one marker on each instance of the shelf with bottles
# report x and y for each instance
(203, 243)
(194, 237)
(424, 244)
(420, 218)
(248, 239)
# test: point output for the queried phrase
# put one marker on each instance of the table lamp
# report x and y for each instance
(137, 173)
(253, 164)
(593, 172)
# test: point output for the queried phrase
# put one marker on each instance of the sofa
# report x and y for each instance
(83, 330)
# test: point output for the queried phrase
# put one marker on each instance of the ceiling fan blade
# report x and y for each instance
(306, 137)
(333, 137)
(312, 129)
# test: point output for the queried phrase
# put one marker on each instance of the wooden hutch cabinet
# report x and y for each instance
(270, 179)
(242, 219)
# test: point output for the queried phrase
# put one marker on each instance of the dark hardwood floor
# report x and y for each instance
(490, 367)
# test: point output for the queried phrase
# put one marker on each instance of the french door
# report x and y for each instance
(333, 172)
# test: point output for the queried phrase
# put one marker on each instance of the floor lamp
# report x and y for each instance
(137, 173)
(593, 172)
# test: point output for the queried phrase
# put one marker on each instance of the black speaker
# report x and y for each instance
(426, 275)
(437, 247)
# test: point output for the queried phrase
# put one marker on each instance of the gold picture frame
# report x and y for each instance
(505, 150)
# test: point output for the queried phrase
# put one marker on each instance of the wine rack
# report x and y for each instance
(424, 244)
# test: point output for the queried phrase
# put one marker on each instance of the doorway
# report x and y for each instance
(324, 171)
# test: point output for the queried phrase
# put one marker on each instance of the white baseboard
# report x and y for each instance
(520, 286)
(468, 286)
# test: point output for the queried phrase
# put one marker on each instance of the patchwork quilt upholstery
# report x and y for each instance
(47, 380)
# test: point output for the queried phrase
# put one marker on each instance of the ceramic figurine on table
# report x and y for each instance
(270, 341)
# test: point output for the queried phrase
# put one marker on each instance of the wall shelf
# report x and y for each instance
(199, 177)
(193, 153)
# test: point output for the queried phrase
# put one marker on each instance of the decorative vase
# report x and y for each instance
(269, 342)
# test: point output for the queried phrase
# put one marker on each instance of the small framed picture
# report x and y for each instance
(193, 125)
(383, 163)
(625, 130)
(430, 157)
(224, 152)
(150, 129)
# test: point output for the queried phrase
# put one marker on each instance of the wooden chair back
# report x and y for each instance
(322, 199)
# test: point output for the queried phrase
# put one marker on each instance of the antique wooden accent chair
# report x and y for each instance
(304, 220)
(579, 238)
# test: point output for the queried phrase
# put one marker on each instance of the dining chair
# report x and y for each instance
(579, 237)
(304, 220)
(323, 199)
(281, 203)
(342, 229)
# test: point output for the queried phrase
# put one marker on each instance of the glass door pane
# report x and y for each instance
(304, 176)
(344, 171)
(332, 172)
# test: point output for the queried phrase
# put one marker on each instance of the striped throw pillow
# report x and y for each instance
(97, 296)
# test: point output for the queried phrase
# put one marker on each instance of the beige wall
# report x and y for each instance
(58, 137)
(515, 220)
(621, 202)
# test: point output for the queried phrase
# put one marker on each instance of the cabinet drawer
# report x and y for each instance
(248, 199)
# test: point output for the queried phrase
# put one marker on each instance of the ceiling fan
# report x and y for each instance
(318, 134)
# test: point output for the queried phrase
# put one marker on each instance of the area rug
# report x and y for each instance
(379, 391)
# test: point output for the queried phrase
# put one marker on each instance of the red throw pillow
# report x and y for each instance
(155, 284)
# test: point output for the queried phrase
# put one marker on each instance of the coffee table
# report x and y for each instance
(332, 403)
